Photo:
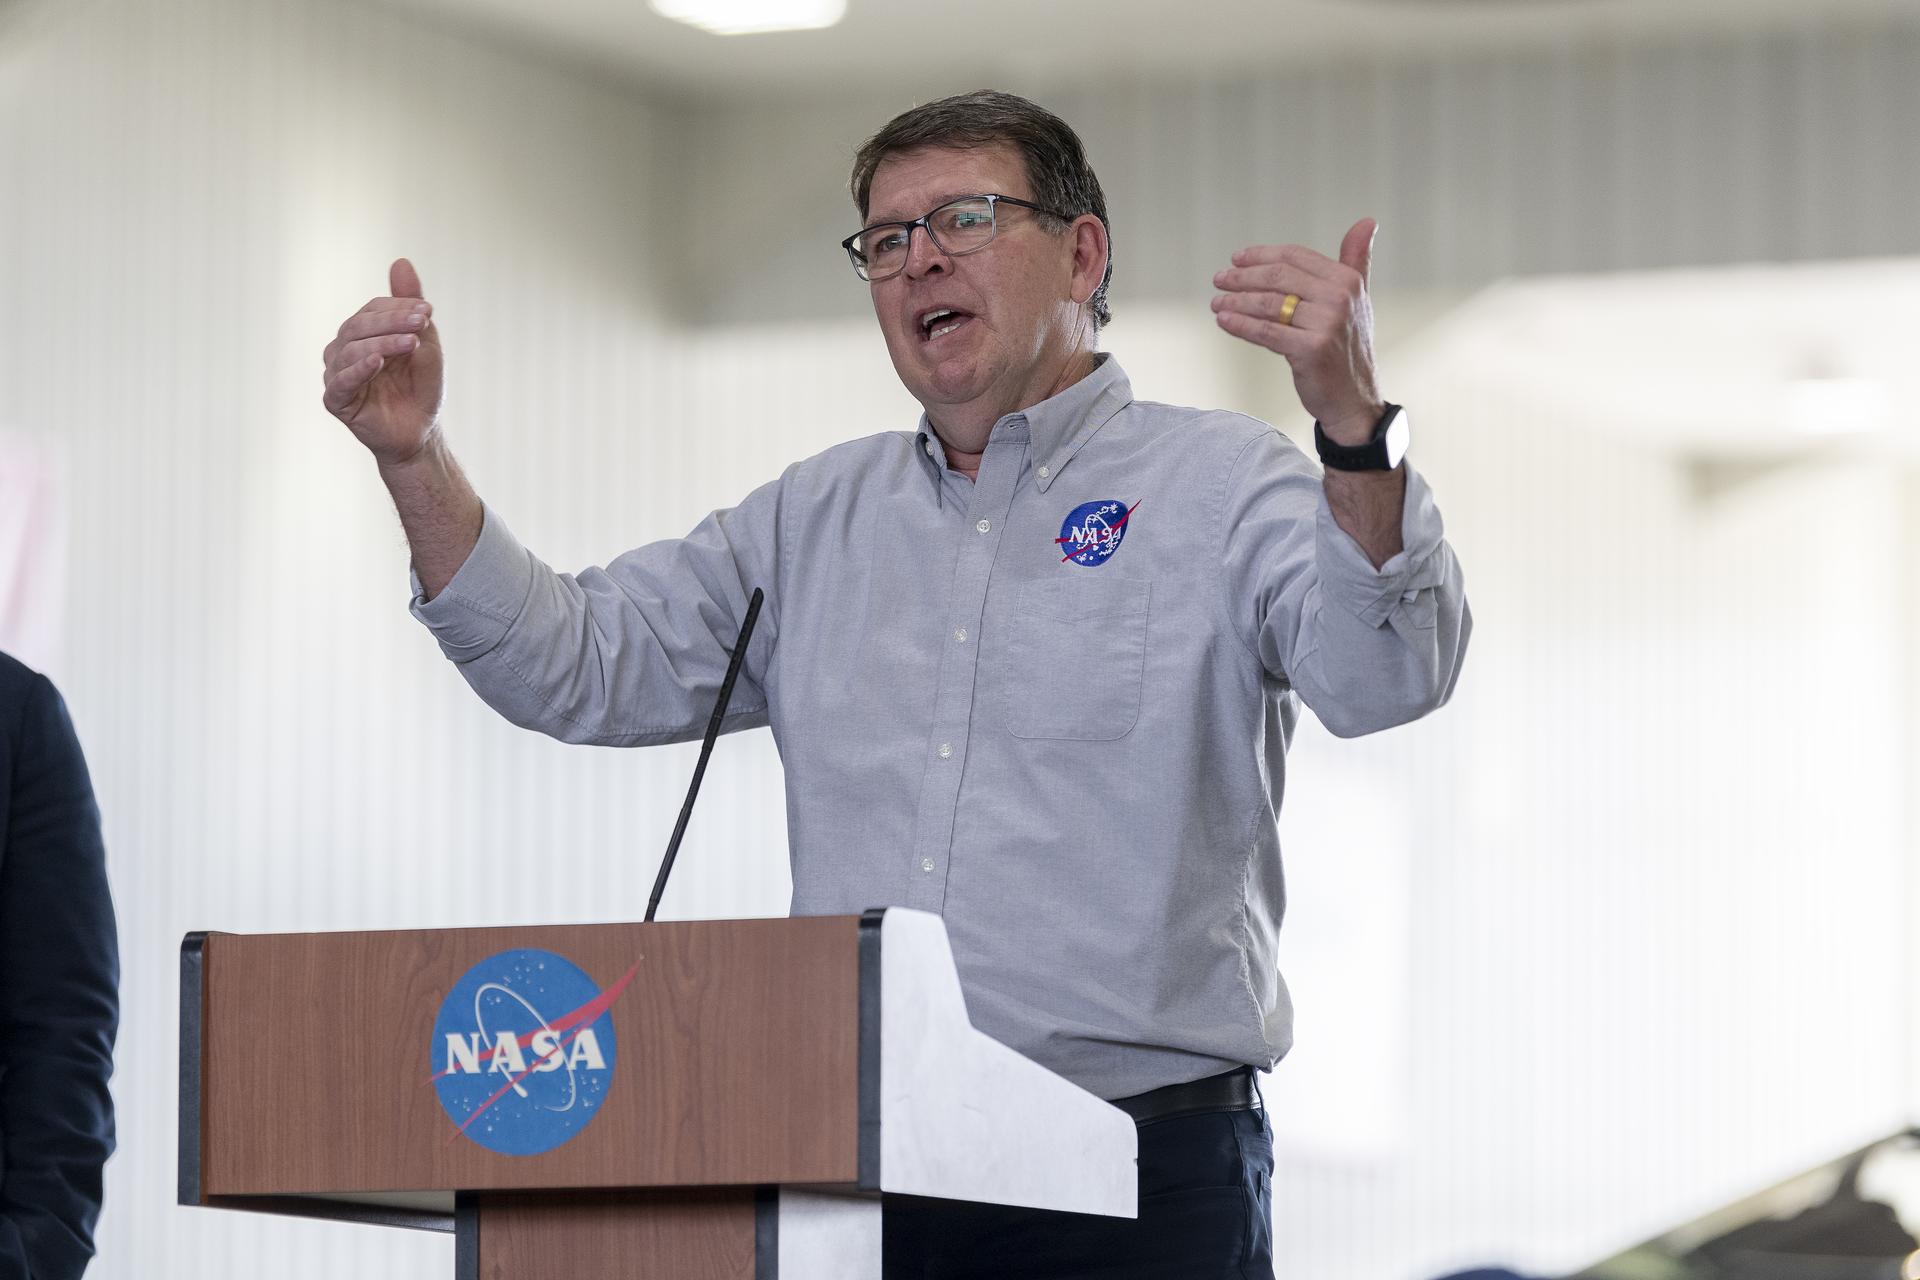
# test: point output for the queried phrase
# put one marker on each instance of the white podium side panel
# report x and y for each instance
(964, 1117)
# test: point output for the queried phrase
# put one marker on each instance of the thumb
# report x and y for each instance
(403, 280)
(1356, 250)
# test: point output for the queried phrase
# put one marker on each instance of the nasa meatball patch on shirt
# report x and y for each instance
(1092, 531)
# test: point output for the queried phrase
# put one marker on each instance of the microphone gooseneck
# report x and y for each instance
(706, 749)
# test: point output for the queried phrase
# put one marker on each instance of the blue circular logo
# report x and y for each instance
(1092, 531)
(523, 1051)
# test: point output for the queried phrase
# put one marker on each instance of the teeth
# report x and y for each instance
(927, 321)
(948, 329)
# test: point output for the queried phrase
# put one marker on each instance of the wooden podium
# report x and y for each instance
(720, 1099)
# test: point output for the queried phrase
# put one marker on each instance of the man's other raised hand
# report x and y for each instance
(1328, 340)
(383, 371)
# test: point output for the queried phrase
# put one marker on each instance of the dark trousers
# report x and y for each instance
(1206, 1213)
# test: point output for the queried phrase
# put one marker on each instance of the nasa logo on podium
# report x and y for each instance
(524, 1051)
(1092, 531)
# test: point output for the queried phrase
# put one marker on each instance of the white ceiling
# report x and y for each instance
(888, 44)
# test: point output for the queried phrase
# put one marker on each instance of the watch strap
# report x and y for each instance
(1382, 451)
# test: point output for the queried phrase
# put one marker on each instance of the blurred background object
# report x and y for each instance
(1853, 1218)
(1622, 934)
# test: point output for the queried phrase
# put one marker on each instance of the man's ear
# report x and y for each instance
(1089, 256)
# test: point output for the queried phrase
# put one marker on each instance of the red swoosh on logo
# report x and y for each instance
(1114, 532)
(573, 1023)
(586, 1013)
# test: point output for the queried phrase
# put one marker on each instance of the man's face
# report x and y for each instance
(1016, 317)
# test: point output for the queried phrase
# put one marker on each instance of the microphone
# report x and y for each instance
(706, 749)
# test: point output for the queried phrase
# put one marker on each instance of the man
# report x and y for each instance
(1033, 666)
(59, 984)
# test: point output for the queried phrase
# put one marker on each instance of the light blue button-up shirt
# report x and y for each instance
(1051, 704)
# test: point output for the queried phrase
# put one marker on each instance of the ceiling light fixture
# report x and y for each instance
(752, 17)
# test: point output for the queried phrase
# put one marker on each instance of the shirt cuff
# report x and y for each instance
(1373, 594)
(474, 611)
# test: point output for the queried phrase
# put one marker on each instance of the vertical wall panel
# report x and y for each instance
(197, 194)
(1604, 155)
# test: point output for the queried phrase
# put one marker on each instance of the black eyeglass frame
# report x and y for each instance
(993, 203)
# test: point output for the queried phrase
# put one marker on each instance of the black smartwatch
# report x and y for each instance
(1382, 451)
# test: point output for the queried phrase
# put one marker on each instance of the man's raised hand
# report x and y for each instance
(383, 371)
(1328, 340)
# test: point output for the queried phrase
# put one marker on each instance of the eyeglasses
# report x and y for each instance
(962, 226)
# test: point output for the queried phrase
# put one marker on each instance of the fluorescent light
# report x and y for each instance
(1839, 406)
(748, 17)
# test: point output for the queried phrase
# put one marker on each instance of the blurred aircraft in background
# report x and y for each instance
(1854, 1218)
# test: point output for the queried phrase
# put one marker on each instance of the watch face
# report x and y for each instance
(1398, 436)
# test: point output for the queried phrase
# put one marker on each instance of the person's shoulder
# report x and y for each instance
(854, 461)
(865, 449)
(24, 694)
(1226, 424)
(836, 475)
(1217, 434)
(18, 682)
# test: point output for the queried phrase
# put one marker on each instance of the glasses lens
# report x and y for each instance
(880, 251)
(960, 227)
(963, 226)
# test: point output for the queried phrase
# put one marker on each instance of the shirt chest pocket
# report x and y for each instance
(1076, 658)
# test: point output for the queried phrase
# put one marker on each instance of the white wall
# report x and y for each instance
(196, 194)
(33, 571)
(1655, 857)
(1647, 961)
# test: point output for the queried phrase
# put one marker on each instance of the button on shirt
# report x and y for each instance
(1051, 704)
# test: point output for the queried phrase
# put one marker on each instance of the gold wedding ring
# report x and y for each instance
(1287, 304)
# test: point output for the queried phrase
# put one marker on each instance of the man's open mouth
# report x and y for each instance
(940, 322)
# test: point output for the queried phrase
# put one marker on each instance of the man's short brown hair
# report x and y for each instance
(1057, 167)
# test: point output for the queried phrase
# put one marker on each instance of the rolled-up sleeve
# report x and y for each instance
(1365, 648)
(631, 654)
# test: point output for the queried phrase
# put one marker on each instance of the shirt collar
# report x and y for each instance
(1059, 426)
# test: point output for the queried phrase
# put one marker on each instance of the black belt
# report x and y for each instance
(1231, 1091)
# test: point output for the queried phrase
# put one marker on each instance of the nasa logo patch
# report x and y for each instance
(1092, 531)
(524, 1051)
